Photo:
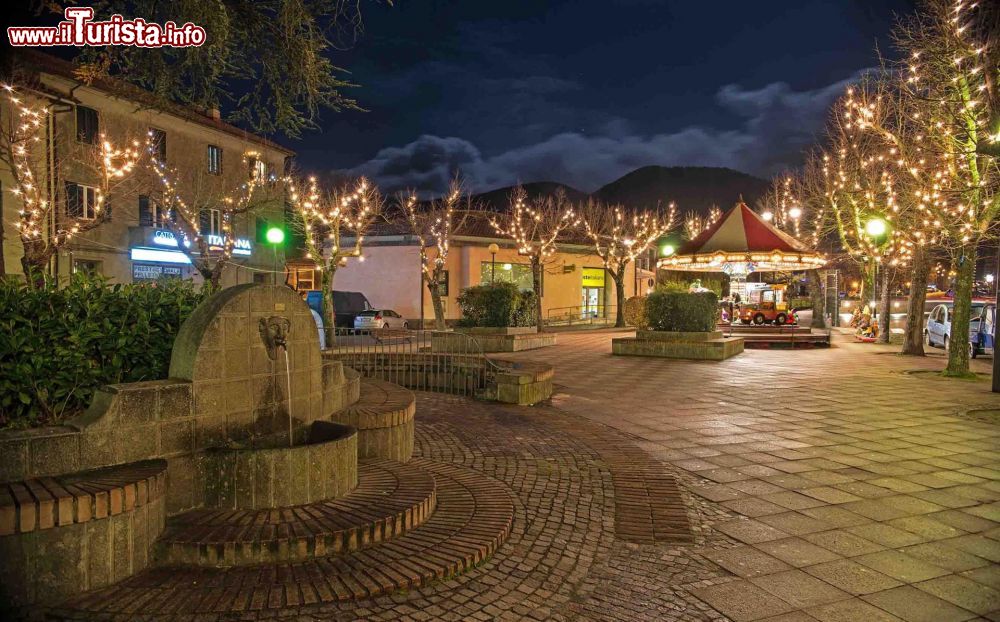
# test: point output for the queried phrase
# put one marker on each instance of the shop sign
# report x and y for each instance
(147, 272)
(593, 277)
(241, 246)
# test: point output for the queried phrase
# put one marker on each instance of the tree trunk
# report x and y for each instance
(435, 290)
(536, 284)
(913, 340)
(958, 341)
(619, 279)
(816, 299)
(884, 300)
(3, 262)
(34, 272)
(328, 311)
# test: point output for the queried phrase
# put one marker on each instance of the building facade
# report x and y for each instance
(135, 243)
(574, 283)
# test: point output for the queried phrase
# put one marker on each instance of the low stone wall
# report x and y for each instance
(522, 382)
(707, 346)
(66, 535)
(383, 417)
(512, 382)
(267, 475)
(512, 339)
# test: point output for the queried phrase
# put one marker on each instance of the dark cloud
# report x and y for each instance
(779, 123)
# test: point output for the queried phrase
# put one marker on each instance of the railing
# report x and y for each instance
(422, 360)
(597, 315)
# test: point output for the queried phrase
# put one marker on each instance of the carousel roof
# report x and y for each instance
(744, 240)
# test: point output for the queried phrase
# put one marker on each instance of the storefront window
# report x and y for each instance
(517, 273)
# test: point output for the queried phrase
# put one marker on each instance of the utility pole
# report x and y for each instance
(996, 326)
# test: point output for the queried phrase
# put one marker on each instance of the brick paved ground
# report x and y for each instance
(823, 484)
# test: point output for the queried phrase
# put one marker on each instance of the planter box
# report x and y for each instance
(708, 346)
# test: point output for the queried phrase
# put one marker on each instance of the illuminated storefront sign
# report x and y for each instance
(593, 277)
(241, 246)
(157, 255)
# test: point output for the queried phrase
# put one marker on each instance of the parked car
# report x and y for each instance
(938, 330)
(379, 318)
(346, 306)
(981, 331)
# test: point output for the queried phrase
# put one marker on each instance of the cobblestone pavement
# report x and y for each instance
(834, 484)
(829, 484)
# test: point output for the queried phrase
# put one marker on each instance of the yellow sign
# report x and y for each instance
(593, 277)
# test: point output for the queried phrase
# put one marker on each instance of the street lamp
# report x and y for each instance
(275, 236)
(667, 250)
(768, 216)
(876, 228)
(494, 249)
(795, 213)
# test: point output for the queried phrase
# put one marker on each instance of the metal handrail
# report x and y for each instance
(579, 314)
(424, 360)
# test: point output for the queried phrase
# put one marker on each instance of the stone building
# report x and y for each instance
(134, 244)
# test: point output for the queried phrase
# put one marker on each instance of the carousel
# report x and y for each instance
(741, 243)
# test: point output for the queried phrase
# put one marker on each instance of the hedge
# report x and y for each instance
(59, 345)
(635, 311)
(496, 305)
(677, 311)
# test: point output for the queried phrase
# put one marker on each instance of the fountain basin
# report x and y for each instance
(268, 473)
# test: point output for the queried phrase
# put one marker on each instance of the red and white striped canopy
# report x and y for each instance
(741, 236)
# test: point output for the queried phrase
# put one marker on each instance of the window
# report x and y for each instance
(258, 169)
(517, 273)
(214, 160)
(159, 140)
(90, 267)
(152, 213)
(210, 222)
(305, 279)
(81, 201)
(86, 125)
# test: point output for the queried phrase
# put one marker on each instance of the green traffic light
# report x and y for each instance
(275, 235)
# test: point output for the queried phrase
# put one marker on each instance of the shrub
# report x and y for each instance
(496, 305)
(59, 345)
(679, 311)
(635, 311)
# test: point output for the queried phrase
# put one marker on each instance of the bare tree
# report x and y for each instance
(953, 63)
(433, 224)
(695, 223)
(619, 238)
(47, 223)
(202, 209)
(333, 225)
(536, 229)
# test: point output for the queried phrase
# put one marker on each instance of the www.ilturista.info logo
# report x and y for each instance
(79, 29)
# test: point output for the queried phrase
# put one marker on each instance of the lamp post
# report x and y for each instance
(494, 249)
(876, 229)
(275, 237)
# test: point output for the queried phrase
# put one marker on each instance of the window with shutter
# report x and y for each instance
(214, 160)
(86, 125)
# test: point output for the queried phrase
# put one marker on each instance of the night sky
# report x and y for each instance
(583, 91)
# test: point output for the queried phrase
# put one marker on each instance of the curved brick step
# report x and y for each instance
(390, 499)
(383, 416)
(473, 518)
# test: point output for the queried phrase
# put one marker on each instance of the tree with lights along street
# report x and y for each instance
(942, 133)
(786, 205)
(201, 210)
(433, 225)
(536, 227)
(619, 238)
(43, 225)
(333, 225)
